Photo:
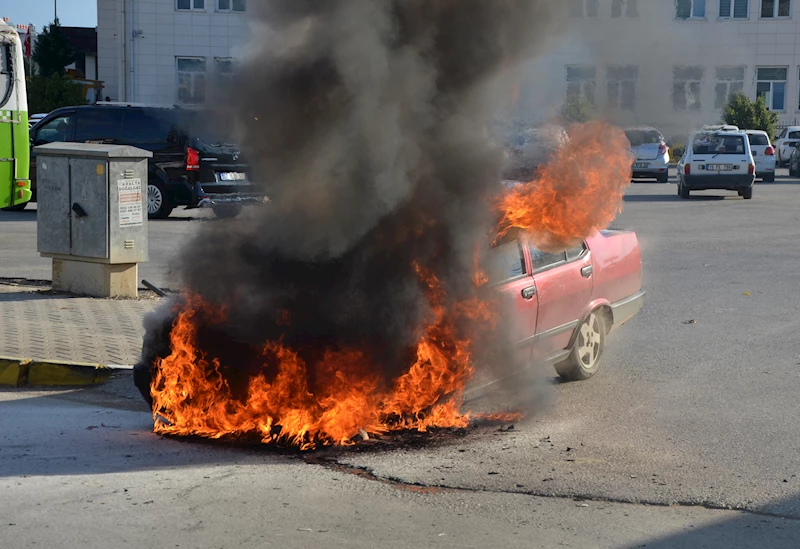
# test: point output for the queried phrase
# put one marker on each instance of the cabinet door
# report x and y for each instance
(89, 207)
(53, 206)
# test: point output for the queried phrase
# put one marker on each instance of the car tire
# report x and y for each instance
(747, 193)
(663, 178)
(227, 211)
(769, 178)
(683, 192)
(584, 357)
(17, 208)
(158, 205)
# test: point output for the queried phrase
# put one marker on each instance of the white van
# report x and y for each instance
(717, 159)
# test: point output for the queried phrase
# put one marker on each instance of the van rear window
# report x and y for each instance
(718, 143)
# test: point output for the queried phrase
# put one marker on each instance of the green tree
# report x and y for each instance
(577, 108)
(53, 52)
(751, 115)
(46, 93)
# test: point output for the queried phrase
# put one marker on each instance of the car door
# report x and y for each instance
(564, 285)
(58, 128)
(510, 275)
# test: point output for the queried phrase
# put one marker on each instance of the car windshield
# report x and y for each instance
(718, 143)
(643, 137)
(758, 139)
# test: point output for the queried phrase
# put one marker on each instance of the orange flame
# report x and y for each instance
(192, 397)
(579, 191)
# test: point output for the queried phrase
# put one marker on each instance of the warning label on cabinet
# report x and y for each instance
(130, 202)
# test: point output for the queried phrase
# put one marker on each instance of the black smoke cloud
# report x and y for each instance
(367, 123)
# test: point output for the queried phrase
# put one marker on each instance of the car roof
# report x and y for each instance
(641, 129)
(762, 132)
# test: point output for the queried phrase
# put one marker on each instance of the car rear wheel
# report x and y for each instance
(769, 178)
(747, 194)
(663, 178)
(158, 206)
(683, 191)
(227, 211)
(584, 358)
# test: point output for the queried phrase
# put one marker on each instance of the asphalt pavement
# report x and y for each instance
(692, 416)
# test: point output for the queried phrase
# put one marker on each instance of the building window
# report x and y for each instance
(776, 8)
(191, 80)
(690, 9)
(771, 85)
(630, 8)
(231, 5)
(729, 80)
(584, 8)
(734, 9)
(686, 86)
(621, 85)
(581, 82)
(191, 4)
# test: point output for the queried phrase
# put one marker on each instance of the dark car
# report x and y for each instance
(191, 166)
(794, 159)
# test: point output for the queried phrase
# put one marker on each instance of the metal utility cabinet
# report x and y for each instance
(92, 216)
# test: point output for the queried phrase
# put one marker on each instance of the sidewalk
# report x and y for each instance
(40, 324)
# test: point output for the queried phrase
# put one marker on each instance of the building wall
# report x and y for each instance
(660, 47)
(163, 34)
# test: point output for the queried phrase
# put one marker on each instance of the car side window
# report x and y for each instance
(99, 125)
(544, 260)
(146, 127)
(506, 261)
(576, 252)
(55, 131)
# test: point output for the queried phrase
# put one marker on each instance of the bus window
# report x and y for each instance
(58, 129)
(6, 80)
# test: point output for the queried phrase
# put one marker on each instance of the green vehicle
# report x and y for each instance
(15, 158)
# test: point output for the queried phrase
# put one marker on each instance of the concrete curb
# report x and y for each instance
(22, 372)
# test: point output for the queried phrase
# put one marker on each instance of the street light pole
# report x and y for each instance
(55, 3)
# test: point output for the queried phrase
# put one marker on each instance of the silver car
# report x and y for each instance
(652, 153)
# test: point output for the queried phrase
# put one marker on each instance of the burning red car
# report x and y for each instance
(567, 302)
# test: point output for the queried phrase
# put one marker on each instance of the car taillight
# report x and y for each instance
(770, 151)
(662, 149)
(687, 169)
(751, 169)
(192, 159)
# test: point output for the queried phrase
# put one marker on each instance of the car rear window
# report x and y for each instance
(758, 139)
(718, 143)
(643, 137)
(793, 135)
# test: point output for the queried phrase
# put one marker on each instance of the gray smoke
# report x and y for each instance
(367, 123)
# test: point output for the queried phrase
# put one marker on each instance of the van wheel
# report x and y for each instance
(747, 193)
(683, 192)
(769, 178)
(158, 206)
(227, 211)
(584, 358)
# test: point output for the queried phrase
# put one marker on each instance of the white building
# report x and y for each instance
(163, 51)
(668, 63)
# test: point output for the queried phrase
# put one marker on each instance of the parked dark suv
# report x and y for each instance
(191, 166)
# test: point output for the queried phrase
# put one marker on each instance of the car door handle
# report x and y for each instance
(529, 292)
(587, 271)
